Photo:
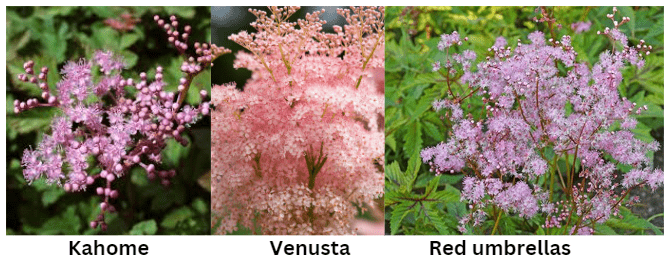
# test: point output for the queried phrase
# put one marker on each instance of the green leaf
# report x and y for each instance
(391, 142)
(656, 99)
(103, 12)
(38, 119)
(437, 220)
(128, 40)
(394, 174)
(643, 133)
(397, 124)
(139, 177)
(399, 212)
(175, 152)
(391, 196)
(175, 217)
(413, 167)
(50, 196)
(148, 227)
(432, 131)
(602, 229)
(130, 58)
(451, 179)
(653, 110)
(632, 222)
(201, 206)
(174, 195)
(66, 223)
(107, 38)
(449, 194)
(456, 209)
(413, 139)
(180, 12)
(432, 185)
(424, 105)
(656, 29)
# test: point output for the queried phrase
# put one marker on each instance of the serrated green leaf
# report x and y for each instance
(424, 104)
(391, 142)
(449, 194)
(437, 220)
(414, 164)
(602, 229)
(432, 185)
(656, 99)
(433, 131)
(636, 222)
(642, 132)
(399, 212)
(413, 139)
(394, 174)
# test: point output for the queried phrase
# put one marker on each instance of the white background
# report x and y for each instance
(370, 255)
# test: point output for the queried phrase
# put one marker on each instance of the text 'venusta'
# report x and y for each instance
(309, 249)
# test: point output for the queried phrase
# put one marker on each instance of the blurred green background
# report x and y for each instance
(51, 36)
(411, 86)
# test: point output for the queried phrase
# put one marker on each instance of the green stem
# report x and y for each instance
(381, 35)
(313, 164)
(496, 224)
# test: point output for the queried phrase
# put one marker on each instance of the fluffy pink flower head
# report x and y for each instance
(302, 145)
(85, 150)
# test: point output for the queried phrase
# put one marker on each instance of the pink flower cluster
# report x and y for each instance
(301, 147)
(533, 108)
(581, 27)
(93, 142)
